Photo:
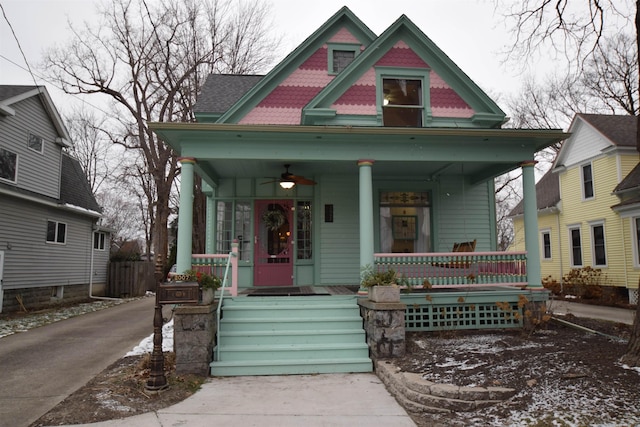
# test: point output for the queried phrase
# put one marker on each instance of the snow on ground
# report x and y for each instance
(24, 322)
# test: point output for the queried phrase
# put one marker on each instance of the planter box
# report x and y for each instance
(384, 294)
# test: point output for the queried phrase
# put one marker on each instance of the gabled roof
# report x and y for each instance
(405, 31)
(616, 131)
(547, 194)
(74, 188)
(220, 92)
(629, 182)
(343, 18)
(11, 94)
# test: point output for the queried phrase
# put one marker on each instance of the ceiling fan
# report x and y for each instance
(288, 180)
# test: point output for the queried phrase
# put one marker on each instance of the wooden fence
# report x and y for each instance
(130, 278)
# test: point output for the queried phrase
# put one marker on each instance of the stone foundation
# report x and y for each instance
(384, 326)
(46, 297)
(194, 332)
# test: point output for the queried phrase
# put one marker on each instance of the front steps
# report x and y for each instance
(290, 335)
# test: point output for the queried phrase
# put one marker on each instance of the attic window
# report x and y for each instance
(35, 143)
(402, 102)
(341, 55)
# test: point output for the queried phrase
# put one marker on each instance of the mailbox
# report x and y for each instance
(179, 293)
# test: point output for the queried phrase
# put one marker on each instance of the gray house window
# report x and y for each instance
(98, 240)
(35, 143)
(8, 165)
(56, 232)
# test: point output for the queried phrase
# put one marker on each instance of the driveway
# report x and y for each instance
(41, 367)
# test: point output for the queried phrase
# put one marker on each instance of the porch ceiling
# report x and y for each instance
(260, 151)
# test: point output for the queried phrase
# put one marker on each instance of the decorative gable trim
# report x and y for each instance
(452, 95)
(300, 66)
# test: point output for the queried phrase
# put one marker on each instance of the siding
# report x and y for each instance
(582, 212)
(591, 145)
(463, 214)
(37, 172)
(340, 240)
(32, 262)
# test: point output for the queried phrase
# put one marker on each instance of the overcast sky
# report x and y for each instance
(468, 31)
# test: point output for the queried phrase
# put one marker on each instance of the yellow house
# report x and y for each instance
(589, 204)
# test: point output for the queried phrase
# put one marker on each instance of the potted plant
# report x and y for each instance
(383, 286)
(208, 284)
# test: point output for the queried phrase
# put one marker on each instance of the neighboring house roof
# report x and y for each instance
(11, 94)
(619, 129)
(630, 182)
(74, 188)
(594, 134)
(547, 194)
(221, 91)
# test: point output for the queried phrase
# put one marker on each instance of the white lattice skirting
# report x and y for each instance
(633, 296)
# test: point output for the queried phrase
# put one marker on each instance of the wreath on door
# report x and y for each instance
(273, 219)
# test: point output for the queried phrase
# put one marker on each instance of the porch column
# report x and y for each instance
(185, 215)
(531, 224)
(366, 214)
(210, 218)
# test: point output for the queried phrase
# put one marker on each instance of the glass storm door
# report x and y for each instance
(273, 264)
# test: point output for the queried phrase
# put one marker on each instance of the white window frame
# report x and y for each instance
(584, 183)
(99, 239)
(635, 238)
(592, 226)
(56, 236)
(571, 228)
(15, 175)
(41, 139)
(543, 256)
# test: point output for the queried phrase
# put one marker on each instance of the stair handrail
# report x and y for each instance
(232, 254)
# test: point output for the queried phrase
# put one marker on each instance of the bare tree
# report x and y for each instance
(575, 29)
(150, 59)
(90, 147)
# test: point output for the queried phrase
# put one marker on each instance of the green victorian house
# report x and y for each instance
(359, 151)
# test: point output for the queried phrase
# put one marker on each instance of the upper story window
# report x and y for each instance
(402, 103)
(8, 165)
(587, 181)
(98, 240)
(35, 143)
(56, 232)
(341, 55)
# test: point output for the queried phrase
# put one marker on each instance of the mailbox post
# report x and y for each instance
(167, 293)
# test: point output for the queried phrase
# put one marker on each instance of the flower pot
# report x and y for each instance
(208, 295)
(384, 294)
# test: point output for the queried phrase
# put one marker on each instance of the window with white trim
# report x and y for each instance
(636, 239)
(575, 243)
(56, 232)
(99, 239)
(598, 246)
(8, 165)
(545, 237)
(35, 143)
(587, 181)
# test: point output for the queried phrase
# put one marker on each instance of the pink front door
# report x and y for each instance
(273, 263)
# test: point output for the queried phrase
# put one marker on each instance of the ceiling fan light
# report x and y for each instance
(287, 184)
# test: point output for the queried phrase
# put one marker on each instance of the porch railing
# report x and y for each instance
(457, 269)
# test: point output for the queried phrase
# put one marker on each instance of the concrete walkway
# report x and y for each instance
(620, 315)
(281, 401)
(307, 400)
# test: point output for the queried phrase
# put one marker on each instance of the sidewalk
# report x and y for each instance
(281, 401)
(620, 315)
